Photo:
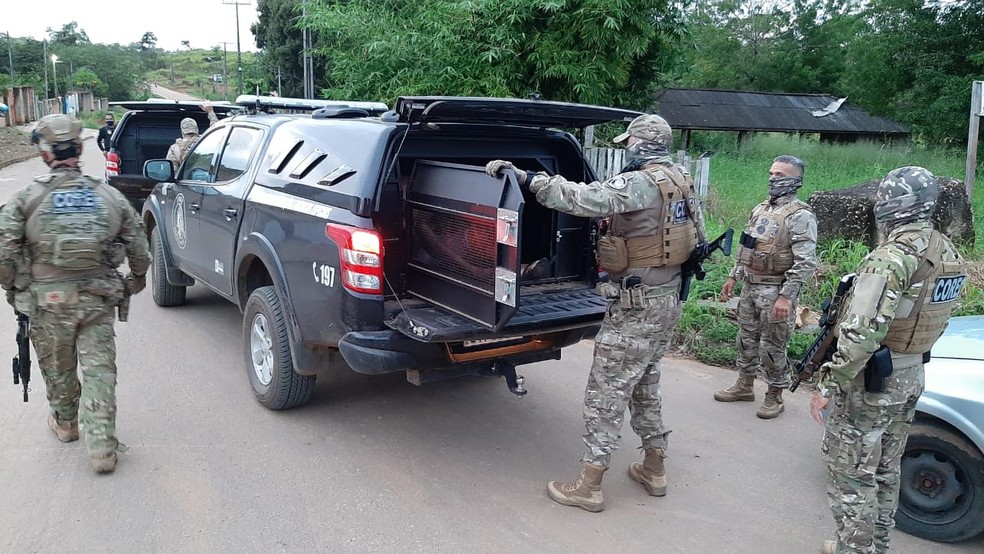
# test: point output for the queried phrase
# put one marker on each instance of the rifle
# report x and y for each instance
(22, 361)
(693, 267)
(825, 344)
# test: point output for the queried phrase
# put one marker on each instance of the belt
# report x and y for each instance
(756, 279)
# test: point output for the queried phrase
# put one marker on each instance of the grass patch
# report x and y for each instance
(739, 181)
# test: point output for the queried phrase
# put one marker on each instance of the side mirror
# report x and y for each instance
(158, 170)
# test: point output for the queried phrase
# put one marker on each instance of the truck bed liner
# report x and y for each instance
(542, 308)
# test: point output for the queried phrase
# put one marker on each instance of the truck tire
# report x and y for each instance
(165, 294)
(266, 347)
(942, 486)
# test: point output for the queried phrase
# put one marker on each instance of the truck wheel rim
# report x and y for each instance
(261, 349)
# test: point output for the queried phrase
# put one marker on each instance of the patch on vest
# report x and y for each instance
(77, 200)
(679, 212)
(947, 289)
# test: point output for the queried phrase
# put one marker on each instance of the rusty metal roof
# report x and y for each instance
(730, 110)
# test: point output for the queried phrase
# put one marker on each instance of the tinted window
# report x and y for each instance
(199, 163)
(242, 142)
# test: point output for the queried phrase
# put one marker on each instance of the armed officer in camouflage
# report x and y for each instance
(189, 136)
(61, 239)
(902, 297)
(776, 257)
(656, 223)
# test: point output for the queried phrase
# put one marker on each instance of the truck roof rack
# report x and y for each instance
(267, 104)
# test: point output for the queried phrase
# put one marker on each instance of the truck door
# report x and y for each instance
(464, 240)
(184, 202)
(222, 205)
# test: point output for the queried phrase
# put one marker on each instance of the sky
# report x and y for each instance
(204, 23)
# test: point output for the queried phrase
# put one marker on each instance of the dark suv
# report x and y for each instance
(377, 242)
(145, 132)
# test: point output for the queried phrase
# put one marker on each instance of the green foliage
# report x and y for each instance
(280, 39)
(911, 61)
(594, 51)
(738, 183)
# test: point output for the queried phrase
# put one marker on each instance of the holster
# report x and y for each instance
(878, 368)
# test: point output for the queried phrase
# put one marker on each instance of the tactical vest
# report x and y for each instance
(773, 250)
(658, 236)
(184, 146)
(925, 307)
(70, 223)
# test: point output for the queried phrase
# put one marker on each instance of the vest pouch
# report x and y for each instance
(78, 252)
(55, 297)
(781, 261)
(26, 303)
(613, 254)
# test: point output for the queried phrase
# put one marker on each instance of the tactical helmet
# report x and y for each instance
(905, 195)
(649, 127)
(57, 130)
(189, 126)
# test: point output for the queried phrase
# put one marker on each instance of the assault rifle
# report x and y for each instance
(826, 342)
(694, 267)
(22, 361)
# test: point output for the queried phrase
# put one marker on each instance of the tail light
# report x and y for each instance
(112, 164)
(361, 255)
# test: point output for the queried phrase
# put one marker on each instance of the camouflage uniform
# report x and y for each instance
(61, 239)
(634, 336)
(761, 341)
(866, 431)
(791, 227)
(189, 136)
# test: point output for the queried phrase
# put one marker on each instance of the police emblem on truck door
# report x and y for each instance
(178, 217)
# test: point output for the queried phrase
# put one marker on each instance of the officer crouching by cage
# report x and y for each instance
(656, 223)
(61, 239)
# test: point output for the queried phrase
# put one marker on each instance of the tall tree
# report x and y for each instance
(594, 51)
(279, 38)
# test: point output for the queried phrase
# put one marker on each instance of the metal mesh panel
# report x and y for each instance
(457, 245)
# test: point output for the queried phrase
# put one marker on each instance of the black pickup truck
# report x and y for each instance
(145, 132)
(375, 241)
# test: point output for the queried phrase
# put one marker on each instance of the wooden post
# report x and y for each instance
(589, 136)
(975, 120)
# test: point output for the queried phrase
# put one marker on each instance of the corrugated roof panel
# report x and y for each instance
(757, 111)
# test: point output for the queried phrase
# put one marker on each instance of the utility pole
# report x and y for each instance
(54, 73)
(308, 61)
(225, 68)
(10, 58)
(239, 52)
(44, 47)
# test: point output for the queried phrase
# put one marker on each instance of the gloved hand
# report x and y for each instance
(136, 283)
(495, 167)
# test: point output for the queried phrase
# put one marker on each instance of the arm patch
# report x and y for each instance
(868, 291)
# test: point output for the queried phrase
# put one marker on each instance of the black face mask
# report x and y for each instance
(110, 123)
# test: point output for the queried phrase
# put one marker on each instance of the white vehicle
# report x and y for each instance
(942, 496)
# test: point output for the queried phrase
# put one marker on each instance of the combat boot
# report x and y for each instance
(829, 547)
(773, 405)
(103, 464)
(741, 391)
(650, 473)
(66, 432)
(583, 492)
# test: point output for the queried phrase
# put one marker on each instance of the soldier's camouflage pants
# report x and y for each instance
(69, 336)
(625, 373)
(762, 341)
(862, 447)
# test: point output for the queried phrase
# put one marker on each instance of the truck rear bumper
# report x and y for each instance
(376, 352)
